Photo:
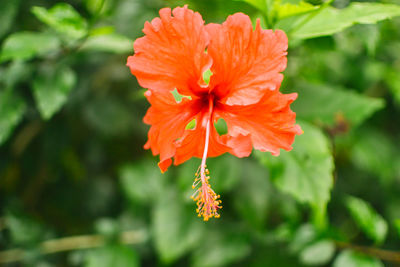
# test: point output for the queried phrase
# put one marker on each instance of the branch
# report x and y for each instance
(386, 255)
(73, 243)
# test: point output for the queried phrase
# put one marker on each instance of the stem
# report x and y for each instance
(205, 152)
(386, 255)
(203, 160)
(73, 243)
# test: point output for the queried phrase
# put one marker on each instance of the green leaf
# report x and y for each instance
(98, 7)
(191, 125)
(108, 228)
(141, 182)
(259, 4)
(305, 235)
(349, 258)
(221, 248)
(370, 222)
(178, 97)
(26, 45)
(397, 225)
(112, 255)
(319, 253)
(331, 20)
(113, 43)
(102, 30)
(252, 195)
(207, 76)
(100, 114)
(288, 9)
(225, 172)
(94, 6)
(326, 104)
(64, 19)
(306, 171)
(393, 83)
(375, 152)
(176, 229)
(8, 11)
(51, 89)
(12, 109)
(271, 255)
(23, 229)
(221, 126)
(17, 71)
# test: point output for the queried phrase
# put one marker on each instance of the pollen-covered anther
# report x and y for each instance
(208, 202)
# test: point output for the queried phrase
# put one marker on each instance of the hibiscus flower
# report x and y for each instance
(179, 52)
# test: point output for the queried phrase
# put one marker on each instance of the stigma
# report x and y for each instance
(207, 200)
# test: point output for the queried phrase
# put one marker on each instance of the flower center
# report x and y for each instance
(207, 200)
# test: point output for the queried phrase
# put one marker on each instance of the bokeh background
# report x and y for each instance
(78, 189)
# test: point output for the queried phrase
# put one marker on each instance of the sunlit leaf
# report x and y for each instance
(26, 45)
(318, 253)
(369, 221)
(178, 97)
(191, 125)
(113, 43)
(349, 258)
(102, 30)
(98, 7)
(63, 18)
(304, 236)
(288, 9)
(397, 225)
(94, 6)
(332, 20)
(207, 76)
(51, 89)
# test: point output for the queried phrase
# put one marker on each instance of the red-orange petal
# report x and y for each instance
(270, 123)
(246, 63)
(193, 141)
(172, 52)
(168, 120)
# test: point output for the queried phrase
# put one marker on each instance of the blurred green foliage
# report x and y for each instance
(78, 189)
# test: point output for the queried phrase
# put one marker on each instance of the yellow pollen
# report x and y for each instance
(207, 200)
